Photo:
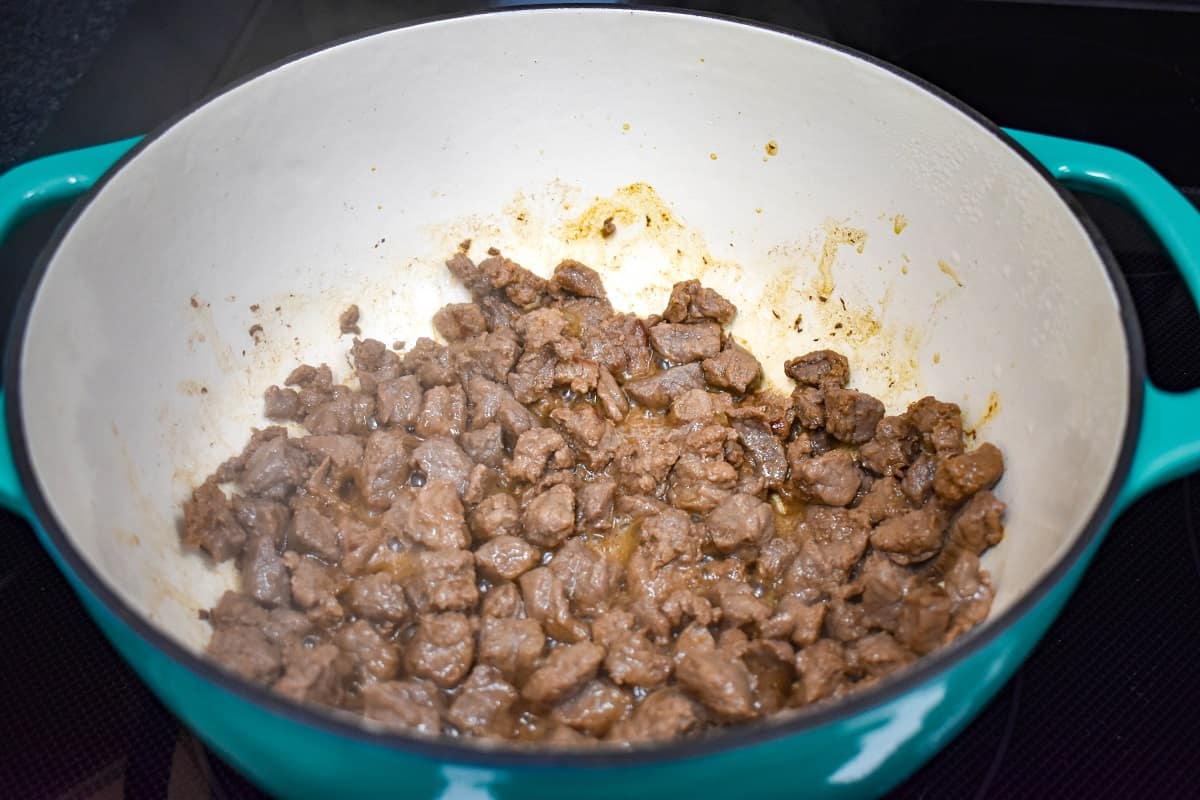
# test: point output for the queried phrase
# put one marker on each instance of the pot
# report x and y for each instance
(836, 200)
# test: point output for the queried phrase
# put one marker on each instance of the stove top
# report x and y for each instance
(1109, 703)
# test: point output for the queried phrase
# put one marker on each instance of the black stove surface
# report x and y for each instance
(1109, 703)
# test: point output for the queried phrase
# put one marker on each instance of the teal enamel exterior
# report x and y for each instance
(860, 753)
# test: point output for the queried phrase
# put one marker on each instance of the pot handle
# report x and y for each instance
(25, 190)
(1168, 446)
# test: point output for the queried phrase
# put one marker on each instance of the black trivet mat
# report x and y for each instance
(1109, 703)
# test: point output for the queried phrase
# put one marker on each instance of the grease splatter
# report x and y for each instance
(772, 148)
(949, 270)
(837, 236)
(899, 223)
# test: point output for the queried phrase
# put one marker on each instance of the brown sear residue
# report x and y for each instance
(838, 235)
(608, 228)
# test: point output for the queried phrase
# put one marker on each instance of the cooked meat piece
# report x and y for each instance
(669, 535)
(314, 675)
(610, 396)
(809, 402)
(490, 355)
(940, 425)
(594, 709)
(443, 412)
(662, 716)
(264, 576)
(398, 402)
(511, 645)
(775, 556)
(442, 649)
(571, 277)
(430, 362)
(818, 368)
(246, 651)
(410, 704)
(764, 448)
(209, 522)
(457, 321)
(970, 591)
(683, 343)
(520, 286)
(502, 600)
(235, 608)
(565, 669)
(831, 478)
(910, 537)
(310, 532)
(957, 477)
(485, 445)
(588, 579)
(691, 302)
(619, 345)
(718, 681)
(821, 668)
(924, 618)
(546, 601)
(440, 458)
(772, 670)
(893, 448)
(344, 450)
(833, 540)
(884, 499)
(581, 423)
(698, 405)
(740, 521)
(497, 515)
(506, 558)
(531, 453)
(436, 517)
(978, 524)
(699, 484)
(738, 604)
(444, 580)
(483, 703)
(314, 586)
(657, 391)
(378, 597)
(918, 479)
(348, 321)
(261, 517)
(346, 412)
(795, 620)
(385, 467)
(633, 660)
(594, 505)
(770, 407)
(851, 416)
(281, 404)
(550, 517)
(876, 655)
(734, 368)
(375, 659)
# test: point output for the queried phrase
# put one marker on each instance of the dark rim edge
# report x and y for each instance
(730, 739)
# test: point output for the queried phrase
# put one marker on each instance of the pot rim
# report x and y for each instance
(458, 751)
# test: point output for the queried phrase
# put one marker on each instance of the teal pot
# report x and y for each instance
(737, 154)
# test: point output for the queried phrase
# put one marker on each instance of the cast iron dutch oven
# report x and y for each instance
(348, 174)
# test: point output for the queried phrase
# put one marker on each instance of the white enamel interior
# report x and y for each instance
(349, 175)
